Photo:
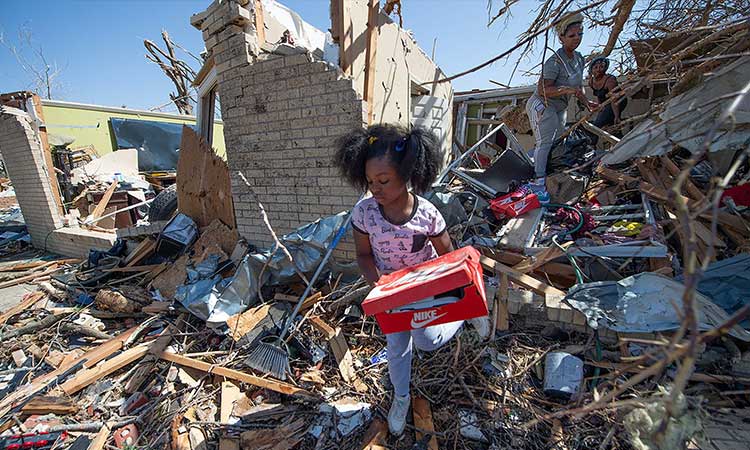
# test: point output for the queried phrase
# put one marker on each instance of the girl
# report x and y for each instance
(395, 228)
(562, 76)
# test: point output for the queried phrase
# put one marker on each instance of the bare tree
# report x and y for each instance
(32, 59)
(177, 70)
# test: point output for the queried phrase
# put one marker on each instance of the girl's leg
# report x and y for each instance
(432, 338)
(399, 370)
(399, 361)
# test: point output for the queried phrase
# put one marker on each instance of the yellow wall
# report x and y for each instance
(89, 124)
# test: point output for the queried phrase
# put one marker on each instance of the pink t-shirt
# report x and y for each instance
(399, 245)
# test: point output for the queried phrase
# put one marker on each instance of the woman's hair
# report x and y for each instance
(414, 154)
(599, 59)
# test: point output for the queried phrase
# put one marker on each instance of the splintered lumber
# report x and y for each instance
(50, 405)
(89, 359)
(500, 309)
(307, 304)
(662, 195)
(549, 254)
(100, 440)
(373, 7)
(146, 268)
(242, 323)
(276, 386)
(28, 301)
(209, 196)
(691, 188)
(423, 421)
(375, 437)
(559, 271)
(102, 205)
(37, 265)
(87, 377)
(30, 277)
(341, 352)
(230, 393)
(521, 278)
(141, 252)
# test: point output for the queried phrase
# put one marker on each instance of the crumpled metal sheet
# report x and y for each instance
(727, 283)
(688, 116)
(307, 246)
(199, 297)
(643, 303)
(240, 293)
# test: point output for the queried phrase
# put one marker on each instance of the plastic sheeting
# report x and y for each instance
(643, 303)
(727, 283)
(214, 300)
(307, 245)
(158, 143)
(304, 34)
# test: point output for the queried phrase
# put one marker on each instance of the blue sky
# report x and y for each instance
(99, 44)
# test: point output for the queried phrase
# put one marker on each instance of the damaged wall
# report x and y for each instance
(22, 152)
(401, 67)
(282, 114)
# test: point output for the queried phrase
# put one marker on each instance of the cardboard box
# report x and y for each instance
(514, 204)
(447, 289)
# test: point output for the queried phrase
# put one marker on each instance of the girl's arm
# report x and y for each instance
(442, 243)
(611, 86)
(365, 260)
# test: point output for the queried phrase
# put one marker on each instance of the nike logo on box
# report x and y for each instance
(423, 318)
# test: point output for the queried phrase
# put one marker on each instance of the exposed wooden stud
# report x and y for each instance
(373, 9)
(423, 420)
(260, 24)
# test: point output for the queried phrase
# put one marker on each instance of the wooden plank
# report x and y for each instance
(209, 196)
(690, 187)
(230, 393)
(549, 254)
(241, 324)
(553, 269)
(102, 205)
(100, 440)
(341, 28)
(520, 278)
(54, 185)
(50, 405)
(423, 420)
(260, 25)
(373, 7)
(500, 310)
(276, 386)
(309, 302)
(375, 437)
(33, 276)
(89, 376)
(141, 252)
(340, 349)
(146, 268)
(28, 301)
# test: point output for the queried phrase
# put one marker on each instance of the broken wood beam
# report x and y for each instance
(423, 421)
(102, 205)
(371, 36)
(521, 278)
(28, 301)
(341, 352)
(89, 376)
(276, 386)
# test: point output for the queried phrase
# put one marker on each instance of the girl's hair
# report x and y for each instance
(414, 154)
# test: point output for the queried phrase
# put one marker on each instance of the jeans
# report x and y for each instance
(400, 350)
(547, 124)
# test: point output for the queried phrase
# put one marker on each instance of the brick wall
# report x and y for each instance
(24, 161)
(282, 115)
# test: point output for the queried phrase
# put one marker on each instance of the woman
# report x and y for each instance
(562, 76)
(602, 84)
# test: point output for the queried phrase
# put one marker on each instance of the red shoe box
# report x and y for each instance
(514, 204)
(447, 289)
